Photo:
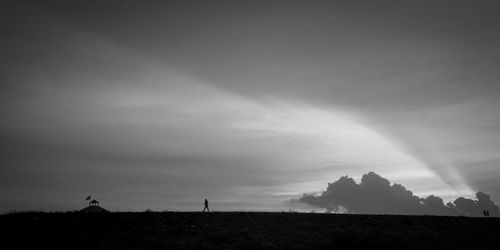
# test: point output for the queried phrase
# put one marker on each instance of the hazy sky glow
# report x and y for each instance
(249, 104)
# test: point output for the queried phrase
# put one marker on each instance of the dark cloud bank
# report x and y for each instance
(376, 195)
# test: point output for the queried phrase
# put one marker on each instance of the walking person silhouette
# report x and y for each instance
(206, 206)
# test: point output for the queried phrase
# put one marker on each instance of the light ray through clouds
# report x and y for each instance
(301, 136)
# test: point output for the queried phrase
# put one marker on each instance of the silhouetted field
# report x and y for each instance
(245, 230)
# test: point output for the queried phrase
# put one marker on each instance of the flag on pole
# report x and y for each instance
(88, 198)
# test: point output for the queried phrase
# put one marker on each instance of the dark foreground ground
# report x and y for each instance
(245, 230)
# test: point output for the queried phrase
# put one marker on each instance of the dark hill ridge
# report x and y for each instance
(236, 230)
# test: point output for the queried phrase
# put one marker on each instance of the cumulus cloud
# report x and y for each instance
(375, 195)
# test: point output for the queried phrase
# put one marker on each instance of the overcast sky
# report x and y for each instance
(247, 103)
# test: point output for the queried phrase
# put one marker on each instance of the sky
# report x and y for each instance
(161, 104)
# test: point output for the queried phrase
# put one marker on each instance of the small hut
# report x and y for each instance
(93, 208)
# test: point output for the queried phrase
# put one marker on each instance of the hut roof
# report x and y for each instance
(94, 209)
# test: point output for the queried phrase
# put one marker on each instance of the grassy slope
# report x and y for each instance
(245, 230)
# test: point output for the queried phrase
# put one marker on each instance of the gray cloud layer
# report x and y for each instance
(85, 104)
(423, 72)
(375, 195)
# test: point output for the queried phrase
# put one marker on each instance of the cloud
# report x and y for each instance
(375, 195)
